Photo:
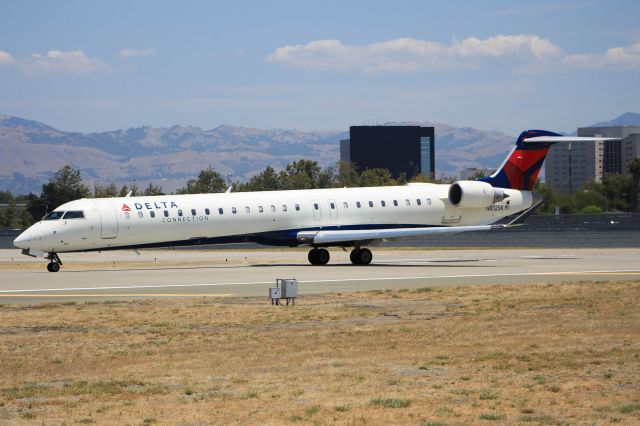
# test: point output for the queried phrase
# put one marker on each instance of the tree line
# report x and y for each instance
(617, 192)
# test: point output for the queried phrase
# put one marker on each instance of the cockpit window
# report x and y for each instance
(74, 214)
(53, 216)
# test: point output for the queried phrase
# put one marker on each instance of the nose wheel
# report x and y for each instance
(54, 262)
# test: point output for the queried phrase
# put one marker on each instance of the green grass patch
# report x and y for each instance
(488, 394)
(629, 408)
(391, 402)
(492, 416)
(311, 411)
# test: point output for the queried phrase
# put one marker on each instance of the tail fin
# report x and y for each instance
(520, 169)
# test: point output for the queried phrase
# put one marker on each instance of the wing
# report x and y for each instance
(346, 236)
(338, 236)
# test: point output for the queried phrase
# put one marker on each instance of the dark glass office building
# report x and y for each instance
(401, 149)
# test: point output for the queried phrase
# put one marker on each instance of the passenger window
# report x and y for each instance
(429, 201)
(152, 213)
(260, 209)
(333, 206)
(273, 208)
(221, 210)
(419, 202)
(193, 212)
(358, 205)
(207, 212)
(370, 203)
(345, 205)
(140, 215)
(234, 210)
(383, 203)
(395, 203)
(180, 213)
(284, 207)
(297, 207)
(407, 202)
(53, 216)
(166, 213)
(316, 206)
(127, 215)
(247, 209)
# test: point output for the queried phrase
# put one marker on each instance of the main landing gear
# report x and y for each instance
(54, 262)
(358, 256)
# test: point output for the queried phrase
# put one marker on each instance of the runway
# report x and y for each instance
(240, 273)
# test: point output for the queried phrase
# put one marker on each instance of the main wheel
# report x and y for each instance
(365, 256)
(53, 267)
(354, 256)
(323, 256)
(319, 256)
(361, 256)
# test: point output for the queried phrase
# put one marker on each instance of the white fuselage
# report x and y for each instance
(272, 217)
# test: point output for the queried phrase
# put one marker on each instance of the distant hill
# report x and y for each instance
(30, 152)
(626, 119)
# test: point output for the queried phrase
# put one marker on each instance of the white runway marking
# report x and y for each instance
(430, 277)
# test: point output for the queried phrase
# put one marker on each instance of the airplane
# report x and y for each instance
(318, 218)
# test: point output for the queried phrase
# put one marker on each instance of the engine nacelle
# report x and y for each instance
(473, 193)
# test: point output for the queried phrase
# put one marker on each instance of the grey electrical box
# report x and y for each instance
(288, 287)
(274, 293)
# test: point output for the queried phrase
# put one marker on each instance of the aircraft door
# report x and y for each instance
(317, 210)
(108, 219)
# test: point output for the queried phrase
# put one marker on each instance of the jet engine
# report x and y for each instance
(472, 193)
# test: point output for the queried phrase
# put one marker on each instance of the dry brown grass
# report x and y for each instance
(538, 354)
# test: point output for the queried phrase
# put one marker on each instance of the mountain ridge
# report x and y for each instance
(169, 156)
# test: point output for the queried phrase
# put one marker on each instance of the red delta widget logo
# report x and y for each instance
(126, 208)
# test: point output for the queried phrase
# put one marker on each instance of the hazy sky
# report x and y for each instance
(504, 65)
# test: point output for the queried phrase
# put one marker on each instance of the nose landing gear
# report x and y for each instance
(54, 262)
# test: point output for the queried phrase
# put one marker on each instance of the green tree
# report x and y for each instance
(588, 201)
(125, 190)
(266, 180)
(375, 177)
(634, 169)
(10, 215)
(153, 190)
(105, 191)
(208, 181)
(65, 185)
(346, 174)
(6, 197)
(301, 174)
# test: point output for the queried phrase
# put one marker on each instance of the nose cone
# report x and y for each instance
(23, 240)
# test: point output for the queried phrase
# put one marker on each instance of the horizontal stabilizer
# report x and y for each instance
(556, 139)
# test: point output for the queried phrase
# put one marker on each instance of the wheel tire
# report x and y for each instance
(49, 267)
(323, 256)
(313, 256)
(365, 257)
(53, 267)
(354, 256)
